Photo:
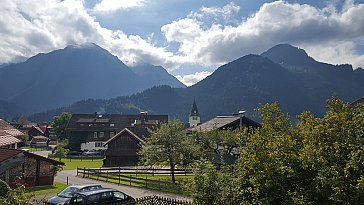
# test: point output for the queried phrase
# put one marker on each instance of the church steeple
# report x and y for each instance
(194, 111)
(194, 118)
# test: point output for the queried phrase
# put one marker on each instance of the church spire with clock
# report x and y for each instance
(194, 118)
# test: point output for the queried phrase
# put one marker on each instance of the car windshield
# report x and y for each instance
(68, 192)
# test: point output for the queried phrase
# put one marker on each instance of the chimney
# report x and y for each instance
(143, 117)
(241, 114)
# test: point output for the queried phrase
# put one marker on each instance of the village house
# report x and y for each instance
(122, 149)
(21, 167)
(9, 136)
(228, 122)
(92, 131)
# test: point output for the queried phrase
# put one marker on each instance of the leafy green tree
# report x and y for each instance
(168, 146)
(4, 188)
(213, 185)
(217, 142)
(19, 196)
(316, 161)
(59, 124)
(60, 151)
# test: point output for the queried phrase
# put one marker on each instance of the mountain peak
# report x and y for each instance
(288, 54)
(84, 45)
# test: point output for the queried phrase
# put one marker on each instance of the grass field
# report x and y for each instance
(48, 190)
(74, 163)
(154, 186)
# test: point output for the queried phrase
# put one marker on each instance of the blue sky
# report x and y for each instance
(190, 38)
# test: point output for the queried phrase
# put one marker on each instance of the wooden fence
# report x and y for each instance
(129, 176)
(155, 200)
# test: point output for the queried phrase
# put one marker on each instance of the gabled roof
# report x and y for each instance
(138, 133)
(111, 122)
(14, 132)
(39, 139)
(8, 140)
(5, 125)
(39, 129)
(360, 100)
(6, 154)
(224, 122)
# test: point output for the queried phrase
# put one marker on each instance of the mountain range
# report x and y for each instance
(283, 73)
(77, 72)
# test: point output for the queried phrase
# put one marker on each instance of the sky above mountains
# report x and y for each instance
(190, 38)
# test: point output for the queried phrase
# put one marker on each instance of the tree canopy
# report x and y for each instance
(169, 146)
(315, 161)
(59, 124)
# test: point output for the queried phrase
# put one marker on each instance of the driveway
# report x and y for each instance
(132, 191)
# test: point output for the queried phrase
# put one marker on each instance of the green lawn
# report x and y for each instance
(48, 190)
(141, 184)
(74, 163)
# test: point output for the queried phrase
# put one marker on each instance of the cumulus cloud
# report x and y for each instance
(210, 36)
(277, 22)
(34, 26)
(191, 79)
(110, 6)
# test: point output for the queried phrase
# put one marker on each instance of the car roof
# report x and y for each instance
(81, 186)
(96, 191)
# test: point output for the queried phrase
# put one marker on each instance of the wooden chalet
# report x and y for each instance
(39, 141)
(122, 149)
(91, 131)
(231, 122)
(21, 167)
(9, 136)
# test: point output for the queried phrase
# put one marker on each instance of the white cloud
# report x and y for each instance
(34, 26)
(191, 79)
(209, 37)
(277, 22)
(110, 6)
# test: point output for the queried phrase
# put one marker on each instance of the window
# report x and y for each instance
(112, 125)
(112, 134)
(95, 134)
(101, 134)
(98, 144)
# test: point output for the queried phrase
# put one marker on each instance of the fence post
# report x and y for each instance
(67, 180)
(119, 175)
(77, 171)
(84, 169)
(107, 175)
(130, 179)
(146, 181)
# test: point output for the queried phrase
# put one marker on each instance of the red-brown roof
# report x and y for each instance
(39, 129)
(8, 140)
(39, 139)
(9, 153)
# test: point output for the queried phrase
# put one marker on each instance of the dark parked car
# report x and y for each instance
(101, 196)
(66, 194)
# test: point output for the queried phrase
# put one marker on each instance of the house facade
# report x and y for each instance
(92, 131)
(21, 167)
(122, 149)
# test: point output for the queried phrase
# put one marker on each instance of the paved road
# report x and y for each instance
(132, 191)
